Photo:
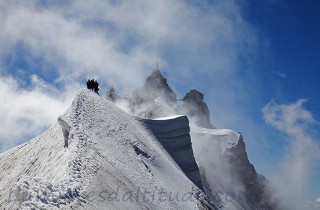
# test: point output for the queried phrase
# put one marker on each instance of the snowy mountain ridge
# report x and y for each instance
(99, 157)
(108, 153)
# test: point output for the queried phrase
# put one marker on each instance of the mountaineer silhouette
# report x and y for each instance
(93, 85)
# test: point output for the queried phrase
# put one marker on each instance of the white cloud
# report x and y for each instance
(302, 151)
(118, 42)
(122, 40)
(316, 203)
(292, 119)
(279, 74)
(28, 112)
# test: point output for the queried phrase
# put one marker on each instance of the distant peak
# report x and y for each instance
(157, 68)
(156, 73)
(194, 95)
(197, 108)
(156, 79)
(154, 86)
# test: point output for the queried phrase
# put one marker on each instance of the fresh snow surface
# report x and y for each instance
(95, 157)
(225, 138)
(169, 117)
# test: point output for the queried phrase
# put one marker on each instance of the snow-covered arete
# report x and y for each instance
(111, 162)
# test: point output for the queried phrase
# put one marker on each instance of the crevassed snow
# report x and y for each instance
(111, 162)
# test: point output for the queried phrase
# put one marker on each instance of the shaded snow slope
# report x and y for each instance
(210, 147)
(173, 133)
(95, 157)
(226, 172)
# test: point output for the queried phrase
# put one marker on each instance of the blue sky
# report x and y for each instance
(257, 62)
(291, 30)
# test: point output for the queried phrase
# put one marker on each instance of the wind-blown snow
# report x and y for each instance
(110, 161)
(209, 146)
(225, 138)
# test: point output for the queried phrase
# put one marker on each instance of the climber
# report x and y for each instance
(91, 85)
(96, 86)
(88, 84)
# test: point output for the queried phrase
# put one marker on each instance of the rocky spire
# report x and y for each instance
(197, 109)
(157, 66)
(154, 86)
(255, 185)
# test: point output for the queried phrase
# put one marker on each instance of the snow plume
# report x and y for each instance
(301, 153)
(26, 112)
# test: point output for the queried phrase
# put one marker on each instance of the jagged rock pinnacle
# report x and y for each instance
(154, 86)
(157, 82)
(197, 109)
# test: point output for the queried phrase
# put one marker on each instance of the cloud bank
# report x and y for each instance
(122, 40)
(118, 42)
(301, 155)
(28, 111)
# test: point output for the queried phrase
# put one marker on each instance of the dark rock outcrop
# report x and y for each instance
(154, 99)
(111, 95)
(154, 86)
(197, 109)
(157, 82)
(255, 185)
